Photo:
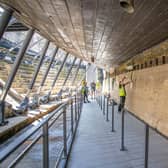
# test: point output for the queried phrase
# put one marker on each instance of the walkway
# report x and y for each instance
(96, 146)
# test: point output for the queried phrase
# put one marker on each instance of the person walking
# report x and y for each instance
(85, 92)
(93, 89)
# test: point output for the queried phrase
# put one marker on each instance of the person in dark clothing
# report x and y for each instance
(85, 92)
(93, 89)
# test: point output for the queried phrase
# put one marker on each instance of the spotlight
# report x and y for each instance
(127, 5)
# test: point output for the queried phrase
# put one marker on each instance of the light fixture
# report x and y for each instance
(129, 68)
(127, 5)
(1, 9)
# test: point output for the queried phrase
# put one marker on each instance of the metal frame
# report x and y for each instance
(147, 129)
(43, 52)
(45, 145)
(13, 73)
(76, 73)
(45, 123)
(4, 20)
(30, 87)
(17, 26)
(48, 69)
(65, 132)
(57, 75)
(72, 117)
(69, 72)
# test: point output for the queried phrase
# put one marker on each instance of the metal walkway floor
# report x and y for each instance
(95, 146)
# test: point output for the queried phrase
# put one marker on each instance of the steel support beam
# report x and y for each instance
(65, 132)
(57, 75)
(48, 69)
(69, 72)
(43, 52)
(4, 20)
(13, 73)
(72, 117)
(76, 73)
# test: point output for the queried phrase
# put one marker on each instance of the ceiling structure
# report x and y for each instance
(97, 28)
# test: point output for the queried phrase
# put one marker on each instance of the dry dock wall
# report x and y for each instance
(147, 96)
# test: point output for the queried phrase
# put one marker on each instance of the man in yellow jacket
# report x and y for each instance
(122, 93)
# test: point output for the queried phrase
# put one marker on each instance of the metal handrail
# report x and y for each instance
(10, 148)
(147, 127)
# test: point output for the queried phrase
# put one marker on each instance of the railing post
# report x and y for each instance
(72, 119)
(4, 20)
(146, 145)
(101, 102)
(45, 146)
(75, 109)
(107, 108)
(13, 73)
(65, 132)
(122, 129)
(104, 101)
(112, 117)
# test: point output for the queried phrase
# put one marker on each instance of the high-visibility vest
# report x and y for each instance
(83, 90)
(83, 83)
(97, 85)
(122, 91)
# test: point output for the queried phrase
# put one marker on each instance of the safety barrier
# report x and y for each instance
(104, 102)
(75, 104)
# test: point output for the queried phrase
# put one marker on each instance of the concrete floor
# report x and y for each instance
(96, 146)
